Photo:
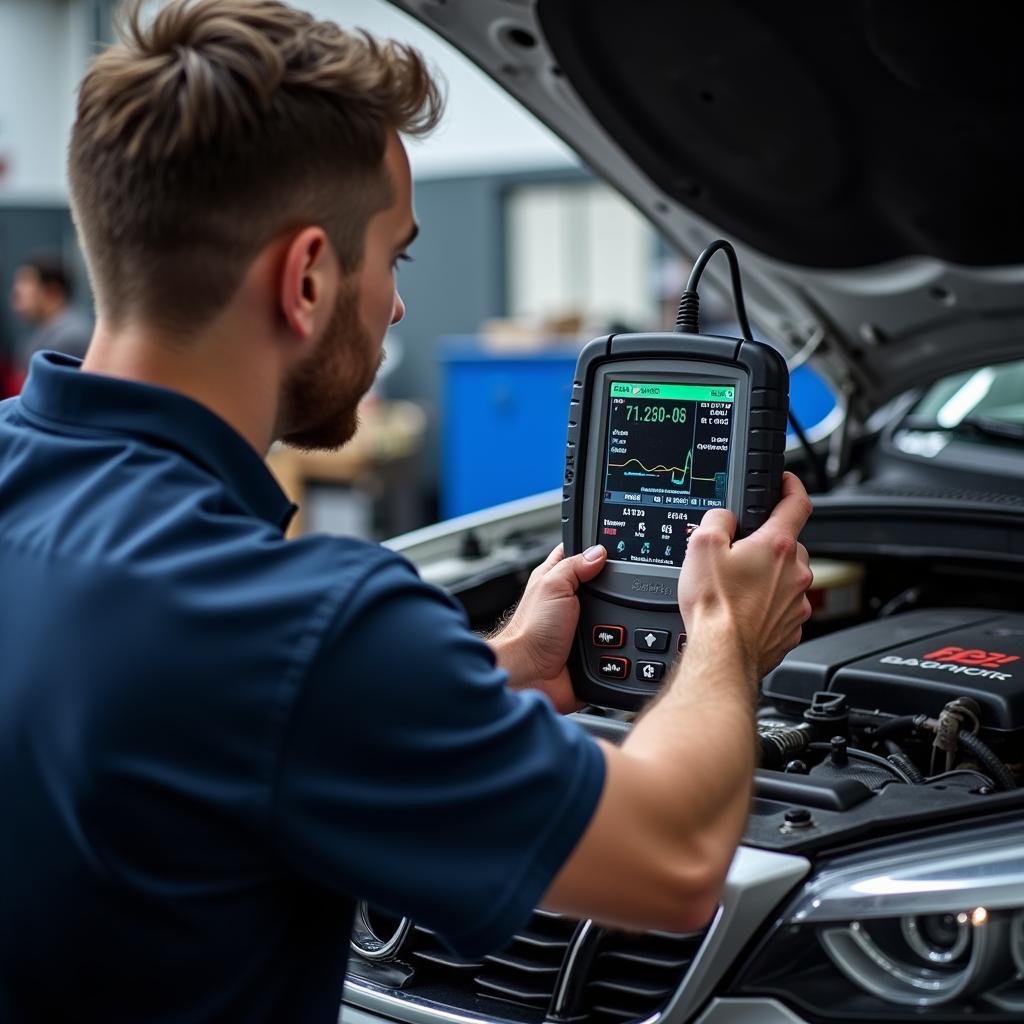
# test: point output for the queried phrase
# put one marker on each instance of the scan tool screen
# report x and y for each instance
(666, 462)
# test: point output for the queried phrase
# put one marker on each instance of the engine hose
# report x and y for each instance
(914, 773)
(894, 727)
(865, 755)
(983, 754)
(781, 745)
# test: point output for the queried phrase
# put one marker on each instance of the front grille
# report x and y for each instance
(427, 952)
(526, 970)
(633, 976)
(617, 977)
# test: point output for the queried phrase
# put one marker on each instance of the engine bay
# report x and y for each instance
(918, 713)
(897, 725)
(915, 651)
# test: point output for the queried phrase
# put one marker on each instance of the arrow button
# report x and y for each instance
(654, 640)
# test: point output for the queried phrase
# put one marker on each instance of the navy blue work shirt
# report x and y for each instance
(212, 741)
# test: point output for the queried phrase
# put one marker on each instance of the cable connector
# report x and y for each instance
(688, 322)
(688, 317)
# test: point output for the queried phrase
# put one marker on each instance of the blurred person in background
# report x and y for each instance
(41, 297)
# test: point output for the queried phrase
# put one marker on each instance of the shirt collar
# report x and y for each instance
(58, 393)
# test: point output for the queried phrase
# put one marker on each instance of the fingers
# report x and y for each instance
(554, 558)
(807, 577)
(578, 569)
(795, 508)
(718, 522)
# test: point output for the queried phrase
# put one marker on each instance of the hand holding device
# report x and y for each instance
(663, 430)
(534, 645)
(756, 587)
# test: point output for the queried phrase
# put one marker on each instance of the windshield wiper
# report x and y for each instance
(979, 426)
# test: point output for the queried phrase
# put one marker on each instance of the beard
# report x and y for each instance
(320, 397)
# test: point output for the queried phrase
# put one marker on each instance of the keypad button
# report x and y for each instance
(609, 636)
(650, 671)
(680, 643)
(613, 668)
(653, 640)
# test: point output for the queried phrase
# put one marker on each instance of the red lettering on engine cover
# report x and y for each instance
(971, 656)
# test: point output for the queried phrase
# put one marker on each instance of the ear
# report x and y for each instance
(308, 283)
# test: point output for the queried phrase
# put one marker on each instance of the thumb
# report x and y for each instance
(580, 568)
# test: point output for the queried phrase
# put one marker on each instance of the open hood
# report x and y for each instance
(866, 158)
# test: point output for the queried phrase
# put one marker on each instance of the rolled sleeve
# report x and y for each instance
(412, 777)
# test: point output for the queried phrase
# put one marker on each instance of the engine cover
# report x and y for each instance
(913, 664)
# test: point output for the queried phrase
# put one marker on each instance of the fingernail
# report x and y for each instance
(594, 553)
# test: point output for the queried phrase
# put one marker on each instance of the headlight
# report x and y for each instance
(936, 928)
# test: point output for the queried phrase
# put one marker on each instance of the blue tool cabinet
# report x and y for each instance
(503, 423)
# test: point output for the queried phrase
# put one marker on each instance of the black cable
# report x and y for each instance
(894, 727)
(985, 756)
(688, 317)
(688, 322)
(869, 758)
(820, 477)
(907, 767)
(969, 743)
(960, 771)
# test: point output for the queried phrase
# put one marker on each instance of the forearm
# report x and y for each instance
(677, 792)
(694, 753)
(510, 656)
(675, 800)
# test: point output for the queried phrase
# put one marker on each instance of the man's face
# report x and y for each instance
(321, 396)
(28, 296)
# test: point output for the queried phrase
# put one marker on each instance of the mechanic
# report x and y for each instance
(212, 741)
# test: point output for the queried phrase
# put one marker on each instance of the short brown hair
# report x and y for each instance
(220, 124)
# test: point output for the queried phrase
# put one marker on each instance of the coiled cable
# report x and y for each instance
(985, 756)
(780, 745)
(908, 767)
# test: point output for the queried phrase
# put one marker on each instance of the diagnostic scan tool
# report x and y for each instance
(662, 428)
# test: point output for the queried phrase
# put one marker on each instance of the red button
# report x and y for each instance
(609, 636)
(610, 667)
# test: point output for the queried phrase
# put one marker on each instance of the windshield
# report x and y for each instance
(989, 395)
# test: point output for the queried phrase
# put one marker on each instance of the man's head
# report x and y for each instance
(41, 288)
(228, 135)
(321, 394)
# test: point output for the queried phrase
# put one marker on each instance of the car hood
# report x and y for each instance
(865, 158)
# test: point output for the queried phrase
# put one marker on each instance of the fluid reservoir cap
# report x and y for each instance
(826, 705)
(828, 710)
